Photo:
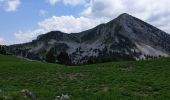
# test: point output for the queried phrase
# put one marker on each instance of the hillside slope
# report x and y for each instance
(146, 80)
(124, 38)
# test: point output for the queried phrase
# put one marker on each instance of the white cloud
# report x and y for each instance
(2, 41)
(68, 24)
(67, 2)
(27, 36)
(11, 5)
(155, 12)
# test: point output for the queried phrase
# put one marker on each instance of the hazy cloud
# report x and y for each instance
(11, 5)
(27, 36)
(53, 2)
(2, 41)
(67, 2)
(43, 12)
(73, 2)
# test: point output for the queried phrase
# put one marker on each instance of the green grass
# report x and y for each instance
(142, 80)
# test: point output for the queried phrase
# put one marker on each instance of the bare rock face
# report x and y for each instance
(124, 38)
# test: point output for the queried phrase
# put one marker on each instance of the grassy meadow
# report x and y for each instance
(132, 80)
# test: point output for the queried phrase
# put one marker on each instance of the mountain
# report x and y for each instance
(124, 38)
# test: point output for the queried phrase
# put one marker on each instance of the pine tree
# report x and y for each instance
(50, 57)
(63, 58)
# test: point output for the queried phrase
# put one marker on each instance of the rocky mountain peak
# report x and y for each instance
(124, 38)
(124, 15)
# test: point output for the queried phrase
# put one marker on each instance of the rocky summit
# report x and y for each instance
(124, 38)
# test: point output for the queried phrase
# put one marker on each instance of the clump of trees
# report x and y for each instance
(50, 57)
(2, 50)
(63, 58)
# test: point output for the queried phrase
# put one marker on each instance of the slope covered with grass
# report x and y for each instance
(146, 80)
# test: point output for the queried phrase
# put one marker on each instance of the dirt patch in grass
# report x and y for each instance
(105, 89)
(127, 67)
(74, 76)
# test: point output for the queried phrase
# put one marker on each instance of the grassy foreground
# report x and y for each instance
(142, 80)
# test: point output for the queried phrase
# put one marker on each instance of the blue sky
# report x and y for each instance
(23, 20)
(28, 13)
